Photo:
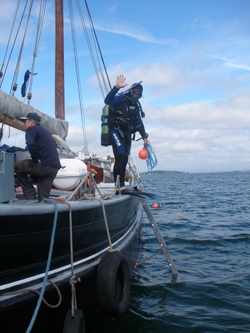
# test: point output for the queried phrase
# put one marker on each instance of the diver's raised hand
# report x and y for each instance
(120, 81)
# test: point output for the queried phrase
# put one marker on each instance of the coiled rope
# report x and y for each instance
(151, 160)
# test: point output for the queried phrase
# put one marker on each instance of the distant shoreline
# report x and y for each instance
(168, 171)
(162, 171)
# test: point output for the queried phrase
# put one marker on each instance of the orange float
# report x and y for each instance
(143, 154)
(155, 206)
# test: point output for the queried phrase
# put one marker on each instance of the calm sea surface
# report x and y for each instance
(205, 221)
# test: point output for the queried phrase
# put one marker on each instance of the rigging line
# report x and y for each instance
(43, 4)
(11, 31)
(77, 71)
(104, 85)
(14, 43)
(21, 49)
(97, 43)
(104, 82)
(90, 47)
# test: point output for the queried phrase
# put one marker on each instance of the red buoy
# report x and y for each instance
(143, 154)
(155, 206)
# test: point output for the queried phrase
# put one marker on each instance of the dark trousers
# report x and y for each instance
(45, 176)
(121, 144)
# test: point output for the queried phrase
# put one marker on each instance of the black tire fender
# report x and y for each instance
(74, 325)
(113, 284)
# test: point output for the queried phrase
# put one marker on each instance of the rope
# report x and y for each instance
(100, 77)
(78, 187)
(146, 259)
(14, 42)
(21, 51)
(38, 35)
(151, 160)
(73, 35)
(47, 267)
(1, 72)
(90, 197)
(38, 293)
(96, 39)
(154, 254)
(103, 197)
(90, 48)
(73, 279)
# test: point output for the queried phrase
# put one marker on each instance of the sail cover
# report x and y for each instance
(13, 108)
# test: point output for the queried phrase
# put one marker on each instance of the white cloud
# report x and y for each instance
(133, 30)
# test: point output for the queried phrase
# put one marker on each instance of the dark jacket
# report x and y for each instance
(42, 146)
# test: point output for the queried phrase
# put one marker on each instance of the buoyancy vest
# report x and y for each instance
(125, 115)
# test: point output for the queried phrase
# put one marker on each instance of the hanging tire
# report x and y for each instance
(113, 284)
(74, 325)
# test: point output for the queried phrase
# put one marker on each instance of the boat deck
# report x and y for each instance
(19, 207)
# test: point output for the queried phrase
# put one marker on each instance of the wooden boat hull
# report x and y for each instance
(25, 238)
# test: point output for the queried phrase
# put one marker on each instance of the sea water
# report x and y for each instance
(205, 221)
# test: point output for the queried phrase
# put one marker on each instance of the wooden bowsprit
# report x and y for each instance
(157, 232)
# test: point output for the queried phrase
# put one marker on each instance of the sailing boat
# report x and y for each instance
(79, 246)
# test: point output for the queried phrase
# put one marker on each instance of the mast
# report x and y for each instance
(59, 62)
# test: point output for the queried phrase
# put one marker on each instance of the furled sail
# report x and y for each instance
(11, 107)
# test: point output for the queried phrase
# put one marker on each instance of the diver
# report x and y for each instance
(125, 113)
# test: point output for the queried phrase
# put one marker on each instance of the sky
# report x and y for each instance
(192, 58)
